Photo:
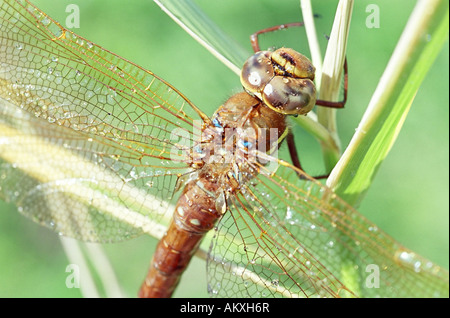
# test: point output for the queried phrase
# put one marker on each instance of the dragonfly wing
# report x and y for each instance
(288, 237)
(93, 124)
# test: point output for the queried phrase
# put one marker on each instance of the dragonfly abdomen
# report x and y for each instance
(195, 214)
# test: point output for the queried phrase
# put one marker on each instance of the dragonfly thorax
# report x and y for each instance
(241, 130)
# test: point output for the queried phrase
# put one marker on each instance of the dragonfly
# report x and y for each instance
(122, 143)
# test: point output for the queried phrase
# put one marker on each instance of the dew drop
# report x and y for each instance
(45, 21)
(417, 266)
(406, 257)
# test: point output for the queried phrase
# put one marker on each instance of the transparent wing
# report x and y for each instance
(80, 124)
(288, 237)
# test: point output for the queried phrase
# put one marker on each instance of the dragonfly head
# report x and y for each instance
(282, 79)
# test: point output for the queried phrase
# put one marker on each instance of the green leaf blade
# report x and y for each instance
(421, 42)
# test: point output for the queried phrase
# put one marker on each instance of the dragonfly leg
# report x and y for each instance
(295, 158)
(341, 103)
(254, 36)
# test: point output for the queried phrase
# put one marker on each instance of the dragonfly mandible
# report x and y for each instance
(73, 93)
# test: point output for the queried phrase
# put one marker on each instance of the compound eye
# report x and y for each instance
(290, 96)
(293, 63)
(257, 72)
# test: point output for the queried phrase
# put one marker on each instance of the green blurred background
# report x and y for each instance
(409, 198)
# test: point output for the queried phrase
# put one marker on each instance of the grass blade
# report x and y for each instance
(189, 16)
(421, 41)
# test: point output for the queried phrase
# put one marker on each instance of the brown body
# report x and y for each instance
(199, 208)
(249, 124)
(194, 216)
